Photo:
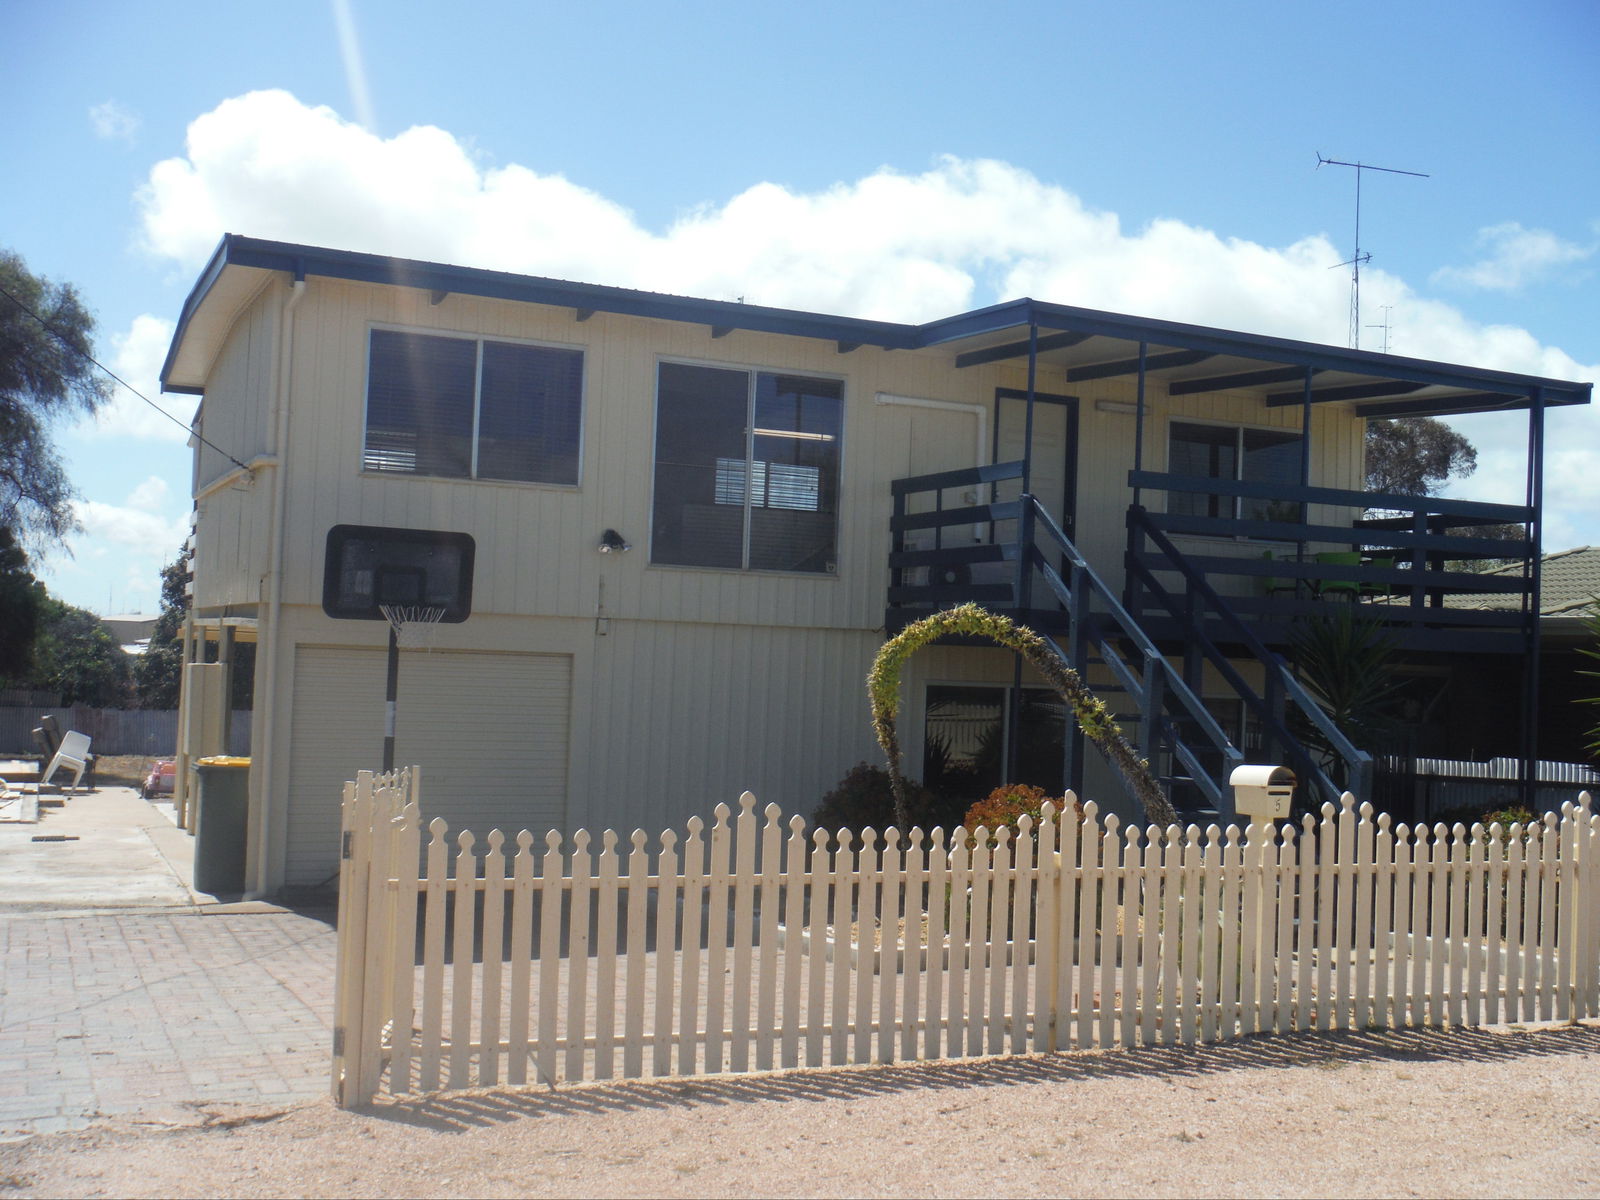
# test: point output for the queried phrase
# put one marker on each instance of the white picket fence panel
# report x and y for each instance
(758, 945)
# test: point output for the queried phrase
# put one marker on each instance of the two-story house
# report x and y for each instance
(668, 536)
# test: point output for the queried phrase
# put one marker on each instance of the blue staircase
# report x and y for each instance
(1029, 570)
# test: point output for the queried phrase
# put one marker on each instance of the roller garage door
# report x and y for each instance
(489, 729)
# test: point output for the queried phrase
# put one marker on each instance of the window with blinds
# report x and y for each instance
(746, 469)
(468, 408)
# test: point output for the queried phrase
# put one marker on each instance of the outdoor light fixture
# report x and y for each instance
(1126, 407)
(611, 541)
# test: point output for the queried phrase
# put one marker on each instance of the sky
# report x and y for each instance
(899, 161)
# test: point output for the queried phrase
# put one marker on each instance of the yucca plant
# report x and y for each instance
(1346, 662)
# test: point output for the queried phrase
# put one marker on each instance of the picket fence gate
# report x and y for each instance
(464, 963)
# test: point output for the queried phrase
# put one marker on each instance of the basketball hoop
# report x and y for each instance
(414, 625)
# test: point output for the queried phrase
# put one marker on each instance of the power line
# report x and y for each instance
(65, 341)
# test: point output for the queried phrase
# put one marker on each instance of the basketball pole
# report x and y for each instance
(392, 695)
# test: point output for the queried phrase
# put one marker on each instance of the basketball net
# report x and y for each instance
(414, 625)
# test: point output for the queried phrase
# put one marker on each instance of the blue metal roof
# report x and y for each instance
(303, 261)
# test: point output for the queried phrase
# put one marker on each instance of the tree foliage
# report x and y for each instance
(76, 656)
(159, 671)
(1416, 456)
(45, 373)
(21, 596)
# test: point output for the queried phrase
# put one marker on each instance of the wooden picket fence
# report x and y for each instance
(758, 945)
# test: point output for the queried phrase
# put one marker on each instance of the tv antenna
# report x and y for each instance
(1360, 256)
(1386, 326)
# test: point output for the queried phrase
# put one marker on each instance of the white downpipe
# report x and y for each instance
(267, 751)
(980, 447)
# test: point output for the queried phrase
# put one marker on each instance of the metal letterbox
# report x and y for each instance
(1262, 792)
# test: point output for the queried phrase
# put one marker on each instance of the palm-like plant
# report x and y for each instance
(1346, 663)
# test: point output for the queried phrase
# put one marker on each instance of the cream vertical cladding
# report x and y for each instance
(687, 716)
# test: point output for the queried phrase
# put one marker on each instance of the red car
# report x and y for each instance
(159, 782)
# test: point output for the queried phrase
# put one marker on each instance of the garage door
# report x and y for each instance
(489, 730)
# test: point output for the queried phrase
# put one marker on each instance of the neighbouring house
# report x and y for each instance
(132, 630)
(1470, 719)
(667, 536)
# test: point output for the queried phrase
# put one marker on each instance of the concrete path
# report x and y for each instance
(127, 993)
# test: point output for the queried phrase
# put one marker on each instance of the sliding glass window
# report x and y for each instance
(746, 469)
(472, 409)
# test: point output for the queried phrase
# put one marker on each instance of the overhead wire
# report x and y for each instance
(67, 342)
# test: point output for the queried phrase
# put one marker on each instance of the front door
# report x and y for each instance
(1055, 452)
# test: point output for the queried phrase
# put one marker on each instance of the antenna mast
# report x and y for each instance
(1359, 257)
(1387, 309)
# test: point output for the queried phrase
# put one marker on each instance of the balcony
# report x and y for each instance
(1279, 554)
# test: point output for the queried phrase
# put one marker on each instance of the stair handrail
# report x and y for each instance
(1172, 683)
(1358, 762)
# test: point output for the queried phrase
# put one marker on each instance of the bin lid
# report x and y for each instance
(222, 760)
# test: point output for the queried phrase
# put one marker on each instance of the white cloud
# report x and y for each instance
(136, 356)
(1514, 257)
(115, 559)
(114, 121)
(151, 496)
(892, 245)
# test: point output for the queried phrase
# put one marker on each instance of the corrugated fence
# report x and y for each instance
(152, 731)
(1423, 789)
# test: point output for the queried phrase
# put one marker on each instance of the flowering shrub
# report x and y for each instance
(1008, 802)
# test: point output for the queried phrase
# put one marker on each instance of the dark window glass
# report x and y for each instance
(1224, 452)
(425, 394)
(964, 742)
(419, 404)
(1270, 457)
(746, 480)
(795, 473)
(698, 515)
(528, 422)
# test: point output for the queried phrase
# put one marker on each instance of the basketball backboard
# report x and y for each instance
(368, 566)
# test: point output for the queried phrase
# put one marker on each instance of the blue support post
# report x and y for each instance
(1532, 603)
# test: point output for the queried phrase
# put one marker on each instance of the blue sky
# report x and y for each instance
(890, 160)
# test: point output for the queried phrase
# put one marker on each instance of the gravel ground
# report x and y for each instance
(1470, 1113)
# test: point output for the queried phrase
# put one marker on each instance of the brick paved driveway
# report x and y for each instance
(143, 1009)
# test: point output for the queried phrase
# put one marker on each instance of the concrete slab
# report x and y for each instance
(125, 856)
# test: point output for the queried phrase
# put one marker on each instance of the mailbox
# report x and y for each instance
(1262, 792)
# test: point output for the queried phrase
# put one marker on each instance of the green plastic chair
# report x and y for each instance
(1271, 585)
(1342, 589)
(1375, 588)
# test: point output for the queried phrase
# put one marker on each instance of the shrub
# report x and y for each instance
(1511, 813)
(1008, 802)
(864, 799)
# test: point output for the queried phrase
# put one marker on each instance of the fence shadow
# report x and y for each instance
(459, 1112)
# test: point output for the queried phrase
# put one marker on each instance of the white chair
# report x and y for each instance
(74, 753)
